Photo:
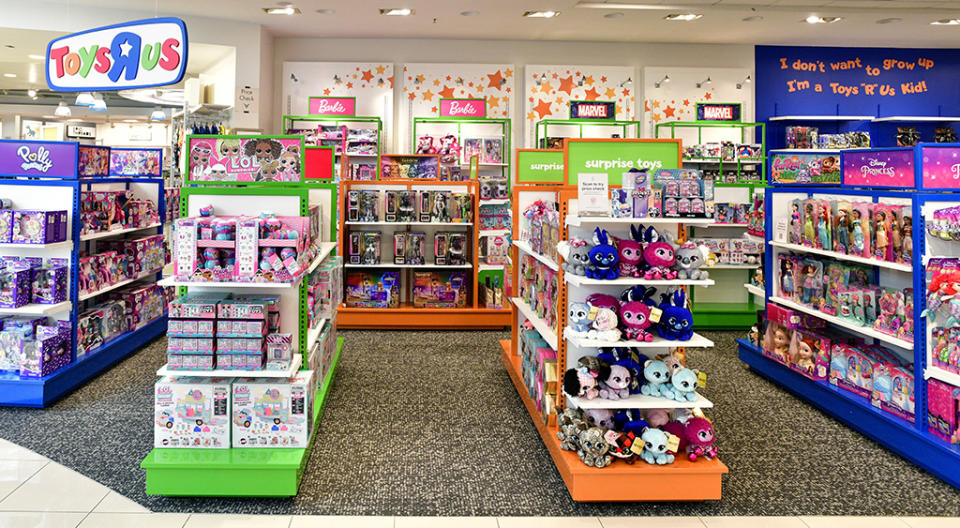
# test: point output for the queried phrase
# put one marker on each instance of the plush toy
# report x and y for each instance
(689, 258)
(602, 418)
(644, 294)
(425, 145)
(604, 326)
(602, 300)
(629, 359)
(676, 321)
(578, 318)
(593, 448)
(631, 254)
(581, 382)
(655, 447)
(570, 422)
(620, 445)
(673, 363)
(603, 257)
(635, 318)
(658, 255)
(700, 436)
(657, 375)
(615, 382)
(630, 421)
(576, 253)
(657, 417)
(449, 149)
(682, 387)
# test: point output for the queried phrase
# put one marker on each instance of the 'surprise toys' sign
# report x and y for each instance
(593, 110)
(137, 54)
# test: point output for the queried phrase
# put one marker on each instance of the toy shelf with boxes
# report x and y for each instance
(357, 141)
(544, 350)
(550, 133)
(73, 305)
(390, 227)
(858, 300)
(859, 131)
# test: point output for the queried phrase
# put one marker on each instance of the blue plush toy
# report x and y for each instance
(676, 321)
(604, 257)
(630, 421)
(655, 447)
(682, 386)
(657, 374)
(578, 318)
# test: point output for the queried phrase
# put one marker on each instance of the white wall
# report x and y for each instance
(219, 81)
(140, 135)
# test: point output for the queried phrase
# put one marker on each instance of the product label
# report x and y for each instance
(38, 158)
(333, 106)
(879, 168)
(463, 108)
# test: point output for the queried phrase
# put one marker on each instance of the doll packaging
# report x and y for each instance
(273, 413)
(192, 412)
(810, 354)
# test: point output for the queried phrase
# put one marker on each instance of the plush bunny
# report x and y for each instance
(676, 321)
(603, 257)
(631, 254)
(658, 254)
(635, 319)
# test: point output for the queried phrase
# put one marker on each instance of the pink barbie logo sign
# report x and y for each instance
(246, 159)
(463, 108)
(333, 106)
(878, 168)
(941, 167)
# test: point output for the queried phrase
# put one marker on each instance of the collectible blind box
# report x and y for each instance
(192, 412)
(440, 289)
(373, 289)
(682, 193)
(273, 413)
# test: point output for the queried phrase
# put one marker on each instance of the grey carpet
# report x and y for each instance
(427, 423)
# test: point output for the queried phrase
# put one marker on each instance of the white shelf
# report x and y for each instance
(501, 201)
(822, 118)
(494, 232)
(728, 224)
(66, 244)
(641, 401)
(697, 341)
(314, 333)
(579, 280)
(906, 268)
(120, 284)
(172, 281)
(444, 224)
(37, 309)
(754, 238)
(759, 292)
(916, 119)
(405, 266)
(325, 249)
(575, 220)
(490, 267)
(850, 325)
(490, 164)
(942, 375)
(813, 150)
(524, 247)
(548, 334)
(705, 160)
(236, 373)
(731, 267)
(115, 232)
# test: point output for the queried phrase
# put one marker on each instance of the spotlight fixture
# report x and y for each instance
(131, 120)
(99, 105)
(469, 13)
(889, 20)
(814, 19)
(294, 78)
(708, 80)
(682, 17)
(157, 114)
(325, 11)
(84, 99)
(752, 18)
(541, 14)
(666, 79)
(629, 80)
(284, 10)
(540, 80)
(32, 94)
(62, 110)
(395, 11)
(946, 22)
(10, 75)
(746, 80)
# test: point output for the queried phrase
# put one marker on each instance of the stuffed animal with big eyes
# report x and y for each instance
(602, 300)
(602, 418)
(626, 357)
(699, 435)
(576, 253)
(615, 383)
(604, 326)
(676, 321)
(689, 258)
(657, 375)
(655, 447)
(603, 257)
(593, 448)
(581, 382)
(682, 386)
(621, 445)
(578, 318)
(569, 423)
(631, 254)
(658, 255)
(635, 319)
(425, 145)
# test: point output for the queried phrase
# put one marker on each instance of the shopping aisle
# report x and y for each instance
(428, 423)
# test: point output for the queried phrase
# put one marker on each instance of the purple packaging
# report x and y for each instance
(6, 225)
(45, 354)
(50, 283)
(15, 285)
(36, 227)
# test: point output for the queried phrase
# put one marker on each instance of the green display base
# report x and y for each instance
(239, 472)
(725, 316)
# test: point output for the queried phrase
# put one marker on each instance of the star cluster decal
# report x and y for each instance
(676, 109)
(550, 90)
(424, 86)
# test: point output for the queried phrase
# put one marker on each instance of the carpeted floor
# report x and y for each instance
(424, 423)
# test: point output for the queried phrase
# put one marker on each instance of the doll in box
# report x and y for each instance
(831, 299)
(824, 226)
(841, 226)
(881, 232)
(860, 230)
(788, 277)
(812, 282)
(891, 316)
(896, 233)
(809, 233)
(776, 342)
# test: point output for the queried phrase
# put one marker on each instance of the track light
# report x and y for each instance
(84, 99)
(747, 80)
(157, 114)
(32, 94)
(708, 80)
(666, 79)
(99, 105)
(62, 110)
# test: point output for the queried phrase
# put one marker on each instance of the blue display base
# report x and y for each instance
(896, 434)
(16, 391)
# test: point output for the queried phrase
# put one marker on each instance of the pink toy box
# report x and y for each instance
(893, 389)
(943, 410)
(273, 413)
(810, 354)
(192, 412)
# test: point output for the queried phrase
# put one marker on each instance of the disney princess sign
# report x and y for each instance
(231, 159)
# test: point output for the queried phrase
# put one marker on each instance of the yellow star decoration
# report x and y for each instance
(611, 93)
(428, 95)
(493, 101)
(508, 73)
(420, 78)
(589, 80)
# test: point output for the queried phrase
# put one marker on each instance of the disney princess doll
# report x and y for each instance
(809, 233)
(795, 228)
(856, 234)
(881, 235)
(812, 282)
(896, 235)
(805, 352)
(841, 230)
(781, 344)
(906, 255)
(823, 226)
(787, 285)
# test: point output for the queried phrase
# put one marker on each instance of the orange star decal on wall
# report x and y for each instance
(531, 116)
(433, 110)
(391, 82)
(555, 76)
(508, 73)
(496, 79)
(367, 76)
(493, 102)
(656, 104)
(545, 86)
(707, 96)
(686, 102)
(626, 92)
(381, 69)
(543, 108)
(589, 80)
(420, 78)
(428, 95)
(611, 93)
(566, 85)
(412, 96)
(668, 111)
(603, 78)
(436, 82)
(656, 118)
(349, 85)
(591, 94)
(646, 105)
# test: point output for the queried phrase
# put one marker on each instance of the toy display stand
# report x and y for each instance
(346, 155)
(729, 305)
(252, 472)
(909, 439)
(882, 129)
(29, 191)
(550, 132)
(474, 314)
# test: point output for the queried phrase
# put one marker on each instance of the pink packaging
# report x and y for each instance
(943, 410)
(810, 354)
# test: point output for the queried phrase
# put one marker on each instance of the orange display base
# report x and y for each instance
(409, 317)
(681, 481)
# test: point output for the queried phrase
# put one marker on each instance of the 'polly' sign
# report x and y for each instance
(137, 54)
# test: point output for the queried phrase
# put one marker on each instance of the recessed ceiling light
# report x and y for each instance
(753, 18)
(946, 22)
(131, 120)
(325, 11)
(31, 93)
(541, 14)
(682, 17)
(469, 13)
(397, 11)
(613, 15)
(285, 10)
(36, 57)
(814, 19)
(10, 75)
(74, 120)
(889, 20)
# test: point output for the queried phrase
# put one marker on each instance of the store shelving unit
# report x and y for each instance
(549, 131)
(343, 158)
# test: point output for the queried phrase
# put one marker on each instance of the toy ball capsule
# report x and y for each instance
(286, 253)
(210, 257)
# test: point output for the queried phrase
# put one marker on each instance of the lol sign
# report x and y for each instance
(138, 54)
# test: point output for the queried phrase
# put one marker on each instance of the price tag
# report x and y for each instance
(593, 313)
(702, 380)
(637, 447)
(673, 442)
(655, 314)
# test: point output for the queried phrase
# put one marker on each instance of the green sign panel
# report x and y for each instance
(615, 157)
(539, 166)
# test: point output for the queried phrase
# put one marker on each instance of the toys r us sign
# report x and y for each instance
(138, 54)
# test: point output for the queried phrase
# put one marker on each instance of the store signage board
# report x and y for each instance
(48, 159)
(318, 163)
(878, 168)
(940, 166)
(593, 194)
(539, 166)
(718, 112)
(798, 167)
(617, 156)
(146, 162)
(599, 110)
(333, 106)
(231, 159)
(138, 54)
(472, 108)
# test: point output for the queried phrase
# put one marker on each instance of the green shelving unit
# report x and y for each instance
(297, 122)
(595, 128)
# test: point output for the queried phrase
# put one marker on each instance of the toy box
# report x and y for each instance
(192, 412)
(50, 282)
(943, 410)
(373, 289)
(190, 328)
(142, 304)
(279, 351)
(273, 413)
(237, 308)
(810, 354)
(15, 283)
(440, 289)
(6, 225)
(48, 351)
(851, 368)
(38, 227)
(892, 389)
(682, 193)
(196, 305)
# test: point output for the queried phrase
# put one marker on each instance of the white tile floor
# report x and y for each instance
(38, 493)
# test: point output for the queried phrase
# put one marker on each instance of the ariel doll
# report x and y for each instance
(823, 231)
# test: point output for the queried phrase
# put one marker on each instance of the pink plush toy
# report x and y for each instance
(635, 319)
(631, 256)
(699, 435)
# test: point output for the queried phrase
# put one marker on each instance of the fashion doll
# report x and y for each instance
(882, 238)
(896, 236)
(842, 237)
(795, 223)
(856, 233)
(823, 229)
(787, 286)
(810, 284)
(809, 233)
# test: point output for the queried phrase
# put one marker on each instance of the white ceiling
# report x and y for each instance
(501, 19)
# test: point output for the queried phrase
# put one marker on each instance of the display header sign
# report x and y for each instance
(136, 162)
(940, 166)
(475, 108)
(718, 112)
(539, 166)
(45, 159)
(232, 159)
(138, 54)
(601, 110)
(617, 156)
(878, 168)
(798, 167)
(333, 106)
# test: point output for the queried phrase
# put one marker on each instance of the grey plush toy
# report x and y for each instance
(576, 253)
(689, 259)
(570, 422)
(593, 448)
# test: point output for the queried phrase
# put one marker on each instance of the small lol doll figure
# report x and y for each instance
(882, 238)
(856, 233)
(809, 234)
(263, 149)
